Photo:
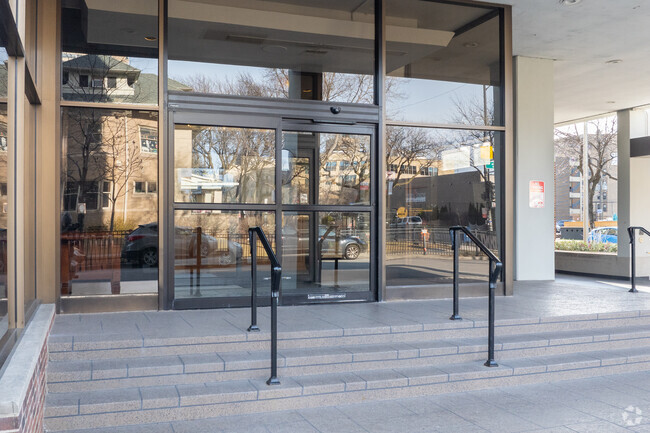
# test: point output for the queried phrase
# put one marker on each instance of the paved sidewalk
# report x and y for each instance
(618, 403)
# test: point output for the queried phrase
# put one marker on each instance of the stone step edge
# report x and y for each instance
(85, 370)
(134, 417)
(62, 343)
(256, 389)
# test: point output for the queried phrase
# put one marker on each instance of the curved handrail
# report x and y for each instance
(276, 272)
(478, 243)
(495, 269)
(630, 231)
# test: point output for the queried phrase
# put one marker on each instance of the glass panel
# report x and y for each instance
(109, 233)
(4, 75)
(325, 253)
(222, 269)
(448, 70)
(437, 178)
(3, 212)
(306, 49)
(224, 165)
(110, 51)
(601, 191)
(343, 168)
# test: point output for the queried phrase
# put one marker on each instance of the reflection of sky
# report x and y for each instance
(425, 101)
(3, 54)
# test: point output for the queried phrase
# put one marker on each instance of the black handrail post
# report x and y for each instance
(454, 245)
(252, 240)
(630, 232)
(275, 294)
(493, 275)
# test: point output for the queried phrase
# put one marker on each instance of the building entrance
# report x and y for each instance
(307, 182)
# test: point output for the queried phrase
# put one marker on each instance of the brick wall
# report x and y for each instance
(30, 417)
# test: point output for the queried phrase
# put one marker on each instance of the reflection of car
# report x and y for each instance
(409, 221)
(141, 246)
(349, 247)
(603, 235)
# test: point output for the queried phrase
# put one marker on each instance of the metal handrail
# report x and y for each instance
(494, 272)
(276, 273)
(630, 231)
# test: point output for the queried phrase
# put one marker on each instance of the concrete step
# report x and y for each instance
(190, 368)
(110, 346)
(137, 405)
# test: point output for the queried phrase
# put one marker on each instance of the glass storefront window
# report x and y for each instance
(110, 51)
(446, 68)
(212, 256)
(343, 171)
(298, 50)
(437, 178)
(109, 232)
(600, 192)
(224, 164)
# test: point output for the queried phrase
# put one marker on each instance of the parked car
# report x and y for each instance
(349, 247)
(603, 235)
(141, 246)
(409, 221)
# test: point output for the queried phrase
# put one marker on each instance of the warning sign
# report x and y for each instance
(401, 212)
(536, 194)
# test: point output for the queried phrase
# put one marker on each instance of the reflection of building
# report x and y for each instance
(102, 78)
(111, 167)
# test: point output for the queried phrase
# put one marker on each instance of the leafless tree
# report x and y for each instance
(122, 162)
(476, 110)
(602, 152)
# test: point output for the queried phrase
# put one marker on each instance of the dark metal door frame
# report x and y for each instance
(279, 115)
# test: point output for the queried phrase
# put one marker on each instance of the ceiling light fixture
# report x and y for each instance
(613, 61)
(471, 44)
(150, 38)
(569, 2)
(610, 102)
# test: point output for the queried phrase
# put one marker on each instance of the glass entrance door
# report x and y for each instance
(227, 178)
(326, 214)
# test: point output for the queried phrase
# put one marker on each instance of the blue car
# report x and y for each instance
(604, 235)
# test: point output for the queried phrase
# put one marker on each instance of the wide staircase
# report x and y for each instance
(119, 380)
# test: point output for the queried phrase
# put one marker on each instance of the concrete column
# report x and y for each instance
(48, 160)
(633, 190)
(534, 161)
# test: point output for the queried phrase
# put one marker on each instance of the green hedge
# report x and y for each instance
(593, 247)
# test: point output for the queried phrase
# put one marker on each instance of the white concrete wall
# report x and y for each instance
(534, 229)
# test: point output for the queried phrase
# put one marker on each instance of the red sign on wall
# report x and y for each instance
(536, 194)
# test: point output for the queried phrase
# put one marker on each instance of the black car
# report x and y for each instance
(141, 246)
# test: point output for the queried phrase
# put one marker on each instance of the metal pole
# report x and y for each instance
(584, 190)
(454, 245)
(199, 238)
(252, 240)
(632, 260)
(492, 286)
(275, 294)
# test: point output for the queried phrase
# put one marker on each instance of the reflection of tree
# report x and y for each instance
(122, 161)
(602, 152)
(98, 152)
(244, 154)
(407, 146)
(353, 152)
(476, 111)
